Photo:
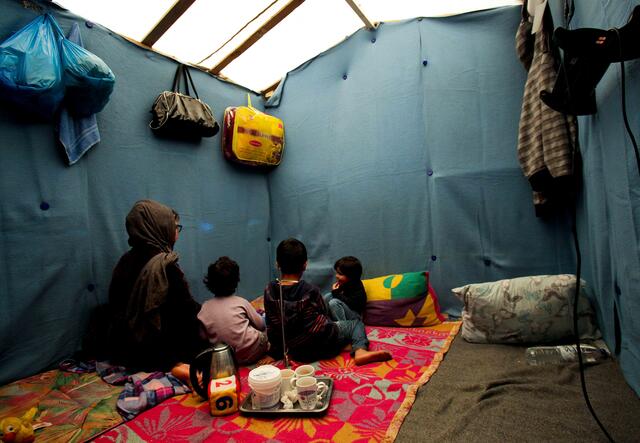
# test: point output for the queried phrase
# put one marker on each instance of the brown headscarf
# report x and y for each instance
(150, 225)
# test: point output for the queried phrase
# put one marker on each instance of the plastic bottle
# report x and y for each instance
(551, 355)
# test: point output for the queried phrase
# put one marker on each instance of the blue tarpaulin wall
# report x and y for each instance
(400, 149)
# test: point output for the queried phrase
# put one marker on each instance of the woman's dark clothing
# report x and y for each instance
(177, 336)
(154, 321)
(353, 295)
(310, 333)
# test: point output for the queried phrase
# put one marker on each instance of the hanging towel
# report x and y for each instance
(77, 134)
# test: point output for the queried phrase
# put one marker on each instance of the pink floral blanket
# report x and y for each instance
(368, 403)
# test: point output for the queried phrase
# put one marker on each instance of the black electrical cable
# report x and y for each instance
(574, 230)
(583, 384)
(574, 147)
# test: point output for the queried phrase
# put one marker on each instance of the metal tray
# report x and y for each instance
(246, 408)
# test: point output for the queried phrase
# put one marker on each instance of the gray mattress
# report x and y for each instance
(488, 393)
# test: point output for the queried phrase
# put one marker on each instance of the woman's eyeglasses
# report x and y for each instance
(179, 228)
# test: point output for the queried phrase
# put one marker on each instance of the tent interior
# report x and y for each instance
(401, 149)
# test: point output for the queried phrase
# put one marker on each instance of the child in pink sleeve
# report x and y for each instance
(229, 318)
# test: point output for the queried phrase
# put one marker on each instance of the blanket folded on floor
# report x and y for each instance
(144, 391)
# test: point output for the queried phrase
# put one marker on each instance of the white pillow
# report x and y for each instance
(535, 309)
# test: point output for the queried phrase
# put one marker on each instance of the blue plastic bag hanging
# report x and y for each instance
(88, 80)
(30, 67)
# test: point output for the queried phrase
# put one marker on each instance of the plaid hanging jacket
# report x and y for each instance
(544, 135)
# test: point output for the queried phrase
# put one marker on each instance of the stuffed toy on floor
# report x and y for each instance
(18, 430)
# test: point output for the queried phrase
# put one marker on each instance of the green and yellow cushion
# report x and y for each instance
(403, 300)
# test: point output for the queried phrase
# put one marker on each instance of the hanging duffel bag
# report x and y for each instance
(179, 115)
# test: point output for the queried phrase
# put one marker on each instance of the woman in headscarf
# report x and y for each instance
(154, 318)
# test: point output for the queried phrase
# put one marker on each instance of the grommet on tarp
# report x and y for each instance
(373, 40)
(425, 62)
(88, 24)
(487, 262)
(268, 238)
(44, 206)
(91, 287)
(344, 76)
(429, 172)
(434, 258)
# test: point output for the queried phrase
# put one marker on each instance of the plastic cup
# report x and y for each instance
(265, 382)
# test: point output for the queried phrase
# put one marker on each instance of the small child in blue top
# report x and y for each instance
(347, 299)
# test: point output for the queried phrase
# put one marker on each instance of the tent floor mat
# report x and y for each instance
(487, 392)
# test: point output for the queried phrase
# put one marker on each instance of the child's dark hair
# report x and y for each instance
(222, 277)
(350, 267)
(291, 255)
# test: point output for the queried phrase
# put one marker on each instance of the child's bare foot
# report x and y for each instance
(267, 359)
(363, 357)
(181, 372)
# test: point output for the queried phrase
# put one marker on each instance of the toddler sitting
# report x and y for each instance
(229, 318)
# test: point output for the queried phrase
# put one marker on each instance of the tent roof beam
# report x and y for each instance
(269, 90)
(260, 32)
(169, 18)
(356, 8)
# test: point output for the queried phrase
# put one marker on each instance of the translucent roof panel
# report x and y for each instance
(219, 27)
(313, 27)
(207, 25)
(384, 10)
(131, 18)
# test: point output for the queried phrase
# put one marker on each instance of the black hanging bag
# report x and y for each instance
(179, 115)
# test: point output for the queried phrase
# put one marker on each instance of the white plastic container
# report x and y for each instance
(265, 383)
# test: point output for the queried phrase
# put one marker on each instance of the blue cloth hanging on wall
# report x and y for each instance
(77, 134)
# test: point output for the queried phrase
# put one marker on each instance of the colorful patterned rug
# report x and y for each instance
(78, 406)
(368, 403)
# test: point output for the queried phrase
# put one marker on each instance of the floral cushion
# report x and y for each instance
(533, 309)
(401, 300)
